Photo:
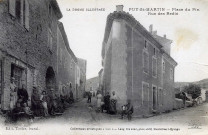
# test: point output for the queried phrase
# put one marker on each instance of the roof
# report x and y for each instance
(61, 27)
(162, 40)
(157, 41)
(56, 9)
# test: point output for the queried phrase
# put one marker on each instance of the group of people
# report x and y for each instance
(52, 103)
(19, 101)
(41, 103)
(109, 102)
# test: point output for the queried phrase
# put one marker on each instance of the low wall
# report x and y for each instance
(178, 103)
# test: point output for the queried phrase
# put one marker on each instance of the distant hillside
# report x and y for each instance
(202, 83)
(181, 84)
(92, 84)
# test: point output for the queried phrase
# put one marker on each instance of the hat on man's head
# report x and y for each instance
(43, 91)
(12, 78)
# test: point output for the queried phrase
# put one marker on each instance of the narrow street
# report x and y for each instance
(80, 113)
(184, 122)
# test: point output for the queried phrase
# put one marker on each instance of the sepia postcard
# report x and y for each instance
(79, 67)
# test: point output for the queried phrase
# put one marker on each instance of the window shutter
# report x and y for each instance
(12, 7)
(22, 11)
(27, 14)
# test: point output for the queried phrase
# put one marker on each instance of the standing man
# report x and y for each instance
(52, 102)
(89, 97)
(107, 102)
(184, 99)
(35, 102)
(71, 96)
(22, 95)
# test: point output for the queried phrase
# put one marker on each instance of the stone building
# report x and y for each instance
(34, 48)
(137, 64)
(70, 71)
(101, 86)
(83, 69)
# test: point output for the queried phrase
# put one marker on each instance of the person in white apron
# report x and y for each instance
(13, 94)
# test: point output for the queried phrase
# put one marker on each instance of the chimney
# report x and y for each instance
(164, 36)
(151, 28)
(154, 32)
(119, 8)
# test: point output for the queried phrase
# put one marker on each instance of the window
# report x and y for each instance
(145, 93)
(26, 18)
(145, 44)
(19, 9)
(171, 74)
(154, 67)
(60, 54)
(16, 72)
(145, 61)
(50, 39)
(163, 66)
(154, 97)
(71, 65)
(50, 11)
(154, 52)
(50, 16)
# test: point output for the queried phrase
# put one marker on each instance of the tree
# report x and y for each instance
(193, 89)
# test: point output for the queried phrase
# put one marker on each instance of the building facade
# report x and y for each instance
(137, 64)
(33, 48)
(83, 69)
(68, 67)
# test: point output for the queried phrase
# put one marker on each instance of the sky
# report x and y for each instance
(188, 31)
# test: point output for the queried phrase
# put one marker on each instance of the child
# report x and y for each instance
(26, 109)
(43, 99)
(127, 110)
(28, 112)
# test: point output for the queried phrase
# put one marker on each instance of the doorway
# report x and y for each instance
(17, 73)
(1, 78)
(154, 100)
(50, 79)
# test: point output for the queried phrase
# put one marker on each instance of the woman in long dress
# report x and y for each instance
(113, 101)
(13, 94)
(43, 98)
(99, 100)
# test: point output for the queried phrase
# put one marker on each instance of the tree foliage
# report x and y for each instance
(193, 89)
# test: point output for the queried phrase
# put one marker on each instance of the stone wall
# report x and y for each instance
(27, 48)
(66, 66)
(123, 71)
(31, 50)
(119, 63)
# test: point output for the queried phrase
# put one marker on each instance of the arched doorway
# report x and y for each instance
(50, 79)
